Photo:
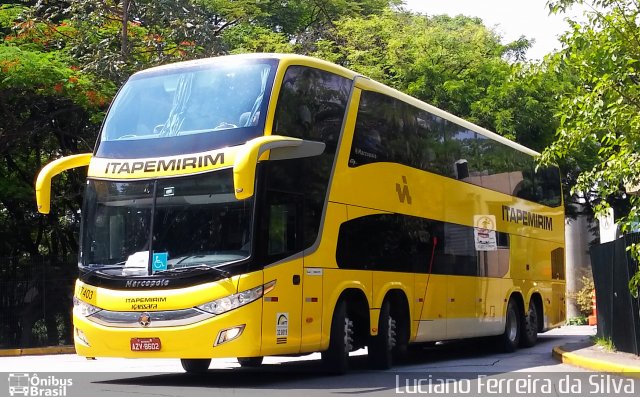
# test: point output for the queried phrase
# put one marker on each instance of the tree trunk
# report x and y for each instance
(125, 30)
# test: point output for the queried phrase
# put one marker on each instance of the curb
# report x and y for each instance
(36, 351)
(594, 364)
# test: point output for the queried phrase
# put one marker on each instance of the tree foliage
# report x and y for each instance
(600, 117)
(455, 63)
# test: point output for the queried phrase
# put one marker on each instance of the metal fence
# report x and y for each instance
(618, 311)
(36, 302)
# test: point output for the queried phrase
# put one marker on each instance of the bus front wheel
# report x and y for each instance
(381, 346)
(336, 358)
(511, 337)
(195, 365)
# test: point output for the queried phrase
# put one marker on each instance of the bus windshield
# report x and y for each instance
(181, 222)
(186, 108)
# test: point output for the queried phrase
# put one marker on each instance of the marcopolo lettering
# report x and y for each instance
(179, 164)
(146, 283)
(526, 218)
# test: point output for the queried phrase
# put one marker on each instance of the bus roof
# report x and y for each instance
(289, 58)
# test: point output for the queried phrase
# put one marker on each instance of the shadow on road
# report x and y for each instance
(309, 374)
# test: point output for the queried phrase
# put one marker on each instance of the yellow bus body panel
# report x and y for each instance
(440, 306)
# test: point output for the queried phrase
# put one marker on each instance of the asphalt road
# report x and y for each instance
(457, 363)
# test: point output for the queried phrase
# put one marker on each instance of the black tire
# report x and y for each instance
(510, 339)
(336, 358)
(195, 365)
(250, 362)
(381, 346)
(530, 329)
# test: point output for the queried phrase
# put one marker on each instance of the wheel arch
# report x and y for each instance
(516, 295)
(401, 310)
(357, 306)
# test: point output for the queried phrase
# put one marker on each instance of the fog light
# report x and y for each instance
(229, 334)
(82, 337)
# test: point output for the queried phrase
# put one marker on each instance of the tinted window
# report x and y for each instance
(557, 264)
(406, 244)
(389, 130)
(311, 106)
(282, 224)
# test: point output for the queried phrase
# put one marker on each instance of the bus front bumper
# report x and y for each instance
(236, 333)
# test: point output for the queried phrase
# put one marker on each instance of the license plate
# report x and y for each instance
(145, 344)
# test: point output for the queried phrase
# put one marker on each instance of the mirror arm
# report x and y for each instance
(280, 147)
(43, 183)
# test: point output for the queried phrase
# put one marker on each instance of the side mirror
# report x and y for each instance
(280, 147)
(43, 183)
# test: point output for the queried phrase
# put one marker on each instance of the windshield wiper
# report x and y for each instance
(89, 269)
(200, 267)
(177, 270)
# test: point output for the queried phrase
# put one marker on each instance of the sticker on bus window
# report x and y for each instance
(159, 261)
(484, 232)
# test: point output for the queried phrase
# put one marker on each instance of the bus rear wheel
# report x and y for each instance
(336, 358)
(195, 365)
(510, 339)
(250, 362)
(530, 334)
(381, 346)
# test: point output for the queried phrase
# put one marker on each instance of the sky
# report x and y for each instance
(510, 18)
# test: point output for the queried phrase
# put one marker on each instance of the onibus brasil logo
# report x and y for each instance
(34, 385)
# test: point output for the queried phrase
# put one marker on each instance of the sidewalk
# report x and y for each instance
(585, 354)
(37, 351)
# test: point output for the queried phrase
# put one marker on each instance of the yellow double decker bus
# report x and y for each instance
(267, 204)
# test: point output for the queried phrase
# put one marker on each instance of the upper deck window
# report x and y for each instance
(390, 130)
(185, 110)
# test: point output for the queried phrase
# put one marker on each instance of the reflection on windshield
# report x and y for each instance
(188, 101)
(174, 223)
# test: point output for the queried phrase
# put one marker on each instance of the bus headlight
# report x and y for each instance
(234, 301)
(84, 309)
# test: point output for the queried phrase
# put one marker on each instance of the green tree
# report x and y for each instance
(600, 117)
(455, 63)
(298, 25)
(114, 38)
(49, 108)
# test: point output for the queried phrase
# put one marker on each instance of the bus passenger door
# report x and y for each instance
(312, 309)
(282, 307)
